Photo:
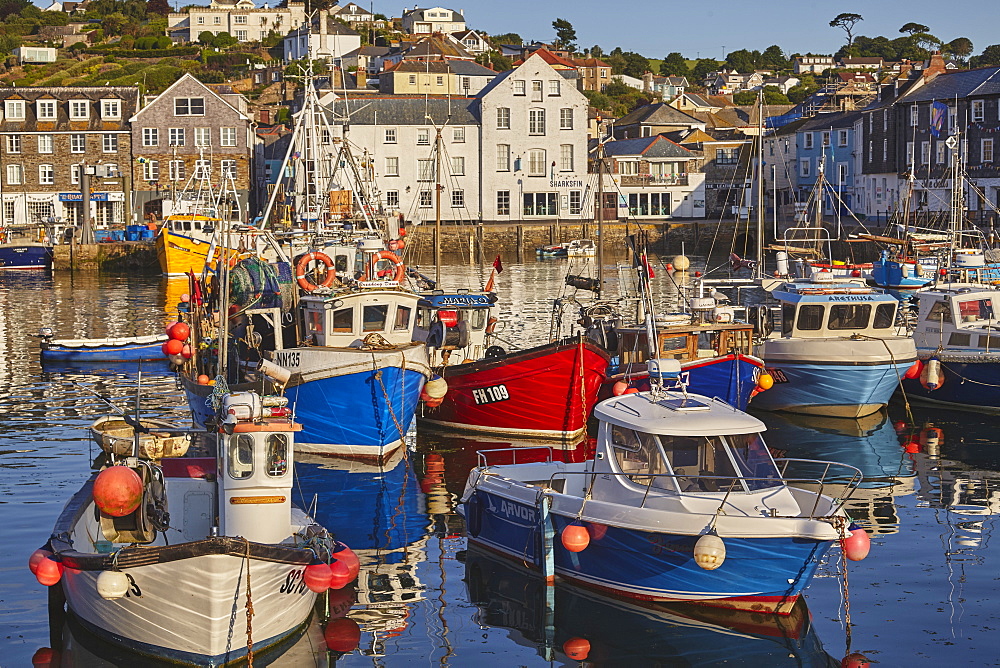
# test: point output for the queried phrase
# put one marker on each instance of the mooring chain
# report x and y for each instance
(249, 611)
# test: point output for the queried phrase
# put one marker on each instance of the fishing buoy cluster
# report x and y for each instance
(45, 567)
(176, 347)
(434, 391)
(621, 387)
(709, 551)
(343, 568)
(856, 544)
(117, 491)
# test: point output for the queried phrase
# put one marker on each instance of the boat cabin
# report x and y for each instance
(809, 310)
(961, 316)
(685, 342)
(345, 319)
(201, 224)
(455, 325)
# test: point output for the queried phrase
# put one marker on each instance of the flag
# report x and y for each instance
(498, 265)
(939, 111)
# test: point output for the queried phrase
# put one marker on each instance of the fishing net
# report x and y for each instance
(255, 283)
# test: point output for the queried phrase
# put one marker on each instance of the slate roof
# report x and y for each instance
(830, 121)
(129, 96)
(656, 146)
(657, 114)
(401, 110)
(964, 83)
(436, 47)
(448, 66)
(418, 15)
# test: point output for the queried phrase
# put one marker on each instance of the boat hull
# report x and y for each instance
(761, 574)
(102, 350)
(970, 383)
(546, 392)
(732, 378)
(181, 254)
(30, 256)
(900, 275)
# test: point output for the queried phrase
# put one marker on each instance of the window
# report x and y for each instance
(925, 153)
(343, 320)
(885, 315)
(392, 166)
(536, 121)
(151, 170)
(458, 198)
(110, 144)
(227, 168)
(850, 316)
(628, 167)
(45, 143)
(503, 118)
(914, 116)
(217, 21)
(885, 121)
(503, 157)
(189, 106)
(177, 136)
(503, 202)
(841, 138)
(111, 109)
(13, 143)
(842, 173)
(203, 136)
(458, 135)
(807, 140)
(425, 198)
(79, 110)
(201, 20)
(825, 138)
(519, 87)
(940, 312)
(604, 73)
(566, 158)
(804, 164)
(46, 110)
(978, 111)
(554, 85)
(727, 156)
(810, 317)
(541, 204)
(227, 136)
(392, 199)
(458, 165)
(939, 149)
(402, 322)
(374, 316)
(413, 79)
(13, 110)
(46, 175)
(575, 202)
(909, 153)
(177, 171)
(239, 19)
(202, 169)
(240, 460)
(276, 452)
(885, 150)
(423, 137)
(566, 119)
(150, 136)
(466, 84)
(987, 150)
(390, 136)
(536, 162)
(425, 169)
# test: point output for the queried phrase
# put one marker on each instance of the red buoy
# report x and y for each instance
(618, 389)
(914, 371)
(340, 574)
(317, 577)
(632, 390)
(574, 537)
(172, 347)
(118, 490)
(342, 635)
(345, 554)
(577, 648)
(402, 231)
(36, 557)
(186, 352)
(44, 657)
(899, 426)
(49, 571)
(857, 544)
(856, 273)
(912, 447)
(855, 660)
(181, 331)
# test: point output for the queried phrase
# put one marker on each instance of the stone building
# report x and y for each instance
(48, 137)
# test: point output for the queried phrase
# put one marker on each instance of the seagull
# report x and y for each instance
(719, 296)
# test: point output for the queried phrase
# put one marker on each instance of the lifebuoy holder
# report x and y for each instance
(302, 264)
(392, 257)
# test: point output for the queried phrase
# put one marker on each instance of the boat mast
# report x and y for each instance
(759, 269)
(437, 206)
(600, 217)
(957, 196)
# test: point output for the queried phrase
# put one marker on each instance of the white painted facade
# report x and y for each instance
(418, 21)
(241, 20)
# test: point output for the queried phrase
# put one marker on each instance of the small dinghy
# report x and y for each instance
(121, 349)
(157, 438)
(196, 560)
(682, 501)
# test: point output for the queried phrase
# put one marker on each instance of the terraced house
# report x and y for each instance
(49, 137)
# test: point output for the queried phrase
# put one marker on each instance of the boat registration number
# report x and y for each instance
(490, 395)
(778, 375)
(287, 359)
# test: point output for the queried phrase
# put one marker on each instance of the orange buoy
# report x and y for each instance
(574, 537)
(402, 231)
(914, 370)
(203, 379)
(186, 352)
(765, 382)
(36, 557)
(434, 403)
(618, 389)
(172, 347)
(632, 390)
(931, 436)
(45, 657)
(317, 577)
(342, 635)
(117, 491)
(857, 544)
(855, 660)
(577, 648)
(912, 447)
(180, 331)
(340, 574)
(49, 571)
(346, 555)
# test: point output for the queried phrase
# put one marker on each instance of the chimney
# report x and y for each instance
(904, 69)
(360, 76)
(936, 65)
(324, 16)
(338, 78)
(647, 82)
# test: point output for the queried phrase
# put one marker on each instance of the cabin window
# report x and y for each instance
(810, 317)
(402, 318)
(885, 315)
(754, 461)
(476, 318)
(343, 320)
(314, 322)
(986, 342)
(374, 317)
(240, 456)
(639, 457)
(277, 455)
(340, 264)
(940, 312)
(787, 319)
(423, 318)
(976, 309)
(734, 341)
(850, 316)
(960, 339)
(675, 347)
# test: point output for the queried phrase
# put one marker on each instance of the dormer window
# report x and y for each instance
(46, 110)
(111, 109)
(13, 110)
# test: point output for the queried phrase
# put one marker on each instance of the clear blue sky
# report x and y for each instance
(657, 27)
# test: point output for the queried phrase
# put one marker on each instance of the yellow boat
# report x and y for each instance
(183, 243)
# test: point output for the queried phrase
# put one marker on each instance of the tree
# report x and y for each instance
(635, 64)
(990, 57)
(773, 58)
(565, 34)
(913, 28)
(158, 7)
(960, 47)
(847, 21)
(674, 65)
(596, 52)
(745, 98)
(773, 95)
(702, 68)
(507, 38)
(741, 60)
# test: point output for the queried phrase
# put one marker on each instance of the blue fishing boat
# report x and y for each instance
(25, 248)
(899, 273)
(552, 250)
(681, 502)
(115, 349)
(837, 353)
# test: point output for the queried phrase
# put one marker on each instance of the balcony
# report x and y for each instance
(643, 180)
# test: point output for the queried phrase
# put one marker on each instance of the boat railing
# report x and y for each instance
(483, 455)
(827, 479)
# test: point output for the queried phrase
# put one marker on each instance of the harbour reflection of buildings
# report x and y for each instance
(869, 444)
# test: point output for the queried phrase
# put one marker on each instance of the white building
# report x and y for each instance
(240, 18)
(418, 21)
(325, 38)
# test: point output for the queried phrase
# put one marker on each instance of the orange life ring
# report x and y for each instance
(303, 263)
(392, 257)
(491, 325)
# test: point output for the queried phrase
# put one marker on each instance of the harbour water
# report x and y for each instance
(927, 595)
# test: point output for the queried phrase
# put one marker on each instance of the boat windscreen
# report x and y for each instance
(754, 461)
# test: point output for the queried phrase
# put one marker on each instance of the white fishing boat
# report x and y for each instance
(581, 248)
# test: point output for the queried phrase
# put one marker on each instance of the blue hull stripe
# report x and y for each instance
(830, 385)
